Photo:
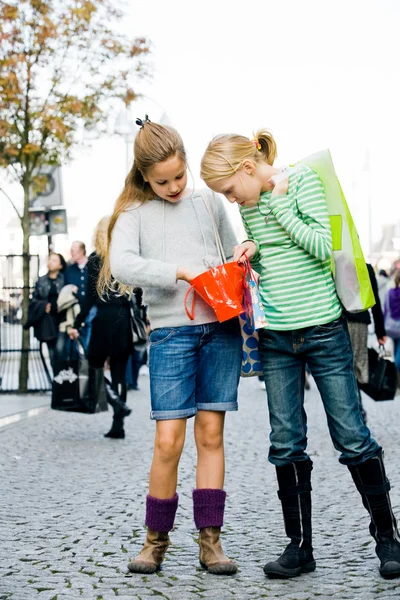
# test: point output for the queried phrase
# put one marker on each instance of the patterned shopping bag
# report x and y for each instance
(250, 321)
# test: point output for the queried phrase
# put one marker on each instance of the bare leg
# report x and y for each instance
(209, 438)
(168, 446)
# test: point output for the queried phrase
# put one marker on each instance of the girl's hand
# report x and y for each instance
(281, 188)
(48, 307)
(185, 274)
(243, 251)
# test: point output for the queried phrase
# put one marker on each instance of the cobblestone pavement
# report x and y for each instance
(72, 510)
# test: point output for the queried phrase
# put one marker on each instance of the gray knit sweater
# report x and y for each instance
(151, 241)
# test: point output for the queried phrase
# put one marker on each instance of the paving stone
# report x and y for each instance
(72, 510)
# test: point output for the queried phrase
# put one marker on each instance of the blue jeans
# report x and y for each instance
(195, 367)
(86, 331)
(397, 354)
(327, 351)
(136, 359)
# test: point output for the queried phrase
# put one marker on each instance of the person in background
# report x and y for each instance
(46, 291)
(392, 307)
(111, 336)
(77, 274)
(138, 358)
(384, 282)
(358, 330)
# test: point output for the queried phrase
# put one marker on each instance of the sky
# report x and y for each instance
(318, 73)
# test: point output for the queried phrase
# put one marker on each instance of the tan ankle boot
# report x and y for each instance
(152, 554)
(212, 556)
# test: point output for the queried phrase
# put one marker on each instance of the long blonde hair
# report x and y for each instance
(154, 144)
(225, 154)
(100, 237)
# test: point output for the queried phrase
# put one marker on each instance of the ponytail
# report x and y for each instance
(267, 144)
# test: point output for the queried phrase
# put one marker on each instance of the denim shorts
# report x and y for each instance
(195, 367)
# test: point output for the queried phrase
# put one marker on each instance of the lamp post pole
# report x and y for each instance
(125, 125)
(126, 128)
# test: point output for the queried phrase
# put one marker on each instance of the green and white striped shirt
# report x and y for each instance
(294, 254)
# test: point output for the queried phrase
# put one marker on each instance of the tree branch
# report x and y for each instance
(12, 203)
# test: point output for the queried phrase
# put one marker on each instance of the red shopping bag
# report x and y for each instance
(222, 288)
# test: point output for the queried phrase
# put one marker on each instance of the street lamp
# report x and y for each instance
(126, 128)
(125, 125)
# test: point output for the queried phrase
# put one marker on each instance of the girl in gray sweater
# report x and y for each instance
(161, 236)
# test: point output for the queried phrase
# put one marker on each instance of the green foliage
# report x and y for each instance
(62, 63)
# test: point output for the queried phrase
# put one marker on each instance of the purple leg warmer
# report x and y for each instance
(160, 514)
(208, 507)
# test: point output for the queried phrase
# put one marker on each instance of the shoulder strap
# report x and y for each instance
(210, 211)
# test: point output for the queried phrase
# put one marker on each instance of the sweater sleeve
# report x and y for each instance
(127, 266)
(311, 231)
(225, 229)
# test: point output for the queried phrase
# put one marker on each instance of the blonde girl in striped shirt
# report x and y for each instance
(290, 245)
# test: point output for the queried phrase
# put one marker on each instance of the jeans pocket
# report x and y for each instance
(161, 335)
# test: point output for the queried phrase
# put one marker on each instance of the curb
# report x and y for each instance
(21, 416)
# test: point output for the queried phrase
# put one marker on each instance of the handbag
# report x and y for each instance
(349, 268)
(251, 363)
(382, 378)
(77, 387)
(392, 326)
(221, 288)
(250, 321)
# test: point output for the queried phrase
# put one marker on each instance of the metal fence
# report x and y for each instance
(11, 292)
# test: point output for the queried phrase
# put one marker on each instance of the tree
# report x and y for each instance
(62, 64)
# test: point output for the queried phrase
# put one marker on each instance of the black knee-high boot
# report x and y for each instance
(116, 396)
(373, 485)
(294, 482)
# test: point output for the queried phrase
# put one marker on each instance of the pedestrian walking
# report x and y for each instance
(77, 274)
(358, 330)
(161, 237)
(43, 313)
(138, 358)
(392, 316)
(288, 225)
(384, 282)
(111, 336)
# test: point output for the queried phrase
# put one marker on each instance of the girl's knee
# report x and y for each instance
(168, 446)
(209, 438)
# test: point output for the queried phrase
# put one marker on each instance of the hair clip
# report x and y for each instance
(256, 143)
(141, 122)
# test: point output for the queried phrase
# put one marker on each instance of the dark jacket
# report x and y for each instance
(79, 277)
(42, 287)
(111, 330)
(364, 316)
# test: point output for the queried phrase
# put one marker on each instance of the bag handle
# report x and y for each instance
(190, 313)
(217, 237)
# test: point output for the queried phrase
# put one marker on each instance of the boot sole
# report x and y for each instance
(275, 571)
(220, 569)
(390, 574)
(144, 568)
